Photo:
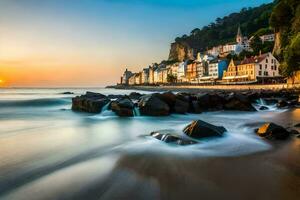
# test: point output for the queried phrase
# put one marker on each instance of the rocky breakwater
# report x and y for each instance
(90, 102)
(164, 104)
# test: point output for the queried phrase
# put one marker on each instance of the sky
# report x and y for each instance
(89, 43)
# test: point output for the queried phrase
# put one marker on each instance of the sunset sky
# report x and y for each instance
(62, 43)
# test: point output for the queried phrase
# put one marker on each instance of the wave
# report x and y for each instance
(35, 102)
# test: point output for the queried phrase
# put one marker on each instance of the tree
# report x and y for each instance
(171, 78)
(292, 57)
(256, 44)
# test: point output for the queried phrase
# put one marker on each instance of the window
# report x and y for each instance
(266, 60)
(275, 68)
(260, 66)
(266, 66)
(272, 67)
(273, 73)
(259, 73)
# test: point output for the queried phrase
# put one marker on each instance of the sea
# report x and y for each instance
(47, 151)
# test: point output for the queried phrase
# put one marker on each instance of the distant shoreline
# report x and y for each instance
(195, 88)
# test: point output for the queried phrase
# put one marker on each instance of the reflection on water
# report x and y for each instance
(47, 151)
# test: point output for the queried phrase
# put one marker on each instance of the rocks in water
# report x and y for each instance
(210, 102)
(272, 131)
(167, 137)
(135, 95)
(263, 108)
(297, 125)
(114, 96)
(123, 107)
(67, 93)
(90, 102)
(200, 129)
(294, 132)
(282, 104)
(152, 105)
(236, 101)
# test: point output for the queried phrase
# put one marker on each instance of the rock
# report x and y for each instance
(282, 104)
(67, 93)
(263, 108)
(238, 102)
(295, 132)
(194, 107)
(114, 96)
(167, 97)
(181, 107)
(151, 105)
(135, 95)
(123, 107)
(297, 125)
(90, 102)
(210, 102)
(167, 137)
(200, 129)
(272, 131)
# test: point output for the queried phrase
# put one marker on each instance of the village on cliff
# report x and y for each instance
(212, 67)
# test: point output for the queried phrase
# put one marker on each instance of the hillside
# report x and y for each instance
(224, 29)
(285, 19)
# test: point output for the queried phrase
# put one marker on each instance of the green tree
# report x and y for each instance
(256, 44)
(292, 57)
(171, 78)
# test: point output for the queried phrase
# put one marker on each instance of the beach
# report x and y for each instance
(49, 151)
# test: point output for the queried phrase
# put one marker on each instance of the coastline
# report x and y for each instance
(200, 88)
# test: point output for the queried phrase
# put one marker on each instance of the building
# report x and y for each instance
(191, 71)
(131, 80)
(145, 76)
(213, 70)
(267, 38)
(262, 68)
(138, 78)
(181, 72)
(241, 43)
(125, 77)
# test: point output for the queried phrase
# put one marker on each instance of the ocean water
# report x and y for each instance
(47, 151)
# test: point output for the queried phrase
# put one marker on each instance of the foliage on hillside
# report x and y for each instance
(224, 29)
(285, 19)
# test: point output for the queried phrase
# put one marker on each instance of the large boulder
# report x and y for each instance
(168, 137)
(240, 102)
(272, 131)
(200, 129)
(123, 107)
(151, 105)
(210, 102)
(135, 95)
(90, 102)
(167, 97)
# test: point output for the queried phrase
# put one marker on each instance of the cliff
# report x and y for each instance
(180, 52)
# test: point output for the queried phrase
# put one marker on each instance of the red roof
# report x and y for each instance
(254, 59)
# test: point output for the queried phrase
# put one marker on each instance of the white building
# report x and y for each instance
(267, 38)
(181, 72)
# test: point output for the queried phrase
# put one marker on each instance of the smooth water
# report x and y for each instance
(47, 151)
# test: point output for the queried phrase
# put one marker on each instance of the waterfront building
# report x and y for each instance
(145, 76)
(131, 79)
(125, 77)
(191, 71)
(181, 72)
(262, 68)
